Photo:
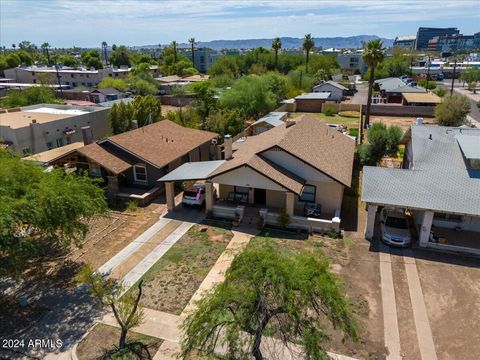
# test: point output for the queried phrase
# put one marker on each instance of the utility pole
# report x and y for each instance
(58, 78)
(453, 76)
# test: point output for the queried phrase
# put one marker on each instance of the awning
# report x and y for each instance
(199, 170)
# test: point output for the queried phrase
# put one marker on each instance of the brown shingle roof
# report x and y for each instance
(162, 142)
(107, 159)
(308, 139)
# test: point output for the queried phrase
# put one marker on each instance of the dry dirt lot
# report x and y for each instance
(402, 121)
(171, 282)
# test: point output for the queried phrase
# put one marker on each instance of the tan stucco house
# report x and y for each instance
(299, 162)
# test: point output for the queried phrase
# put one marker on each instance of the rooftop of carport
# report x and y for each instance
(193, 171)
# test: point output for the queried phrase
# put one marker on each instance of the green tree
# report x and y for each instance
(452, 111)
(226, 65)
(225, 121)
(25, 58)
(120, 57)
(382, 140)
(108, 82)
(104, 48)
(192, 45)
(276, 46)
(68, 60)
(30, 96)
(278, 84)
(174, 50)
(91, 58)
(270, 292)
(12, 60)
(145, 109)
(205, 101)
(373, 54)
(42, 210)
(45, 48)
(470, 75)
(125, 308)
(429, 85)
(307, 46)
(251, 95)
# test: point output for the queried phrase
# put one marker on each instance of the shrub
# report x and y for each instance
(452, 111)
(382, 140)
(333, 234)
(350, 114)
(329, 112)
(353, 132)
(431, 84)
(132, 206)
(440, 92)
(283, 219)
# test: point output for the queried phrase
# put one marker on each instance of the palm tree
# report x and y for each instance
(174, 48)
(192, 43)
(276, 45)
(45, 46)
(307, 45)
(104, 47)
(14, 46)
(373, 54)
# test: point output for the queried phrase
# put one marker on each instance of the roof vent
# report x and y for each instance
(430, 137)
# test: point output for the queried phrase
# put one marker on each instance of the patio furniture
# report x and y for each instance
(312, 210)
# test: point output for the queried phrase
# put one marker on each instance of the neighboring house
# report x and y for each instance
(37, 128)
(103, 95)
(336, 90)
(392, 89)
(130, 163)
(298, 163)
(352, 63)
(420, 99)
(53, 156)
(440, 185)
(311, 102)
(267, 122)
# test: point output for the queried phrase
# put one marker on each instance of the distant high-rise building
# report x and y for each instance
(424, 35)
(407, 41)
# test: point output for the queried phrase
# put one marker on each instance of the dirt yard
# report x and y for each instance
(172, 281)
(352, 260)
(402, 121)
(169, 108)
(103, 339)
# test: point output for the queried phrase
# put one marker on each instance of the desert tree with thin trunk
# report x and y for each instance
(110, 293)
(174, 49)
(104, 47)
(269, 292)
(45, 49)
(276, 46)
(307, 46)
(192, 44)
(373, 54)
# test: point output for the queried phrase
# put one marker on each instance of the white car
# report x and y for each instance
(194, 196)
(395, 228)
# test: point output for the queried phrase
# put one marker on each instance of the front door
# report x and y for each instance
(260, 196)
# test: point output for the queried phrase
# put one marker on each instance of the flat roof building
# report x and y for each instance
(425, 34)
(37, 128)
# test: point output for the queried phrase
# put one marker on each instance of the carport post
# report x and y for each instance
(370, 226)
(426, 228)
(208, 196)
(170, 195)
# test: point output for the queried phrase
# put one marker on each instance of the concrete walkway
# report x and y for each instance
(422, 324)
(389, 305)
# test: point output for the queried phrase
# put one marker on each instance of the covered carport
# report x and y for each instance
(191, 171)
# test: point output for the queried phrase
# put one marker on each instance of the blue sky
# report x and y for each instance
(86, 23)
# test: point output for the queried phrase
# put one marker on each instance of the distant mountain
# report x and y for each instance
(290, 42)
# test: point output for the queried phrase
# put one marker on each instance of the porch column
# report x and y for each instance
(251, 195)
(112, 187)
(370, 226)
(289, 203)
(208, 196)
(170, 194)
(426, 228)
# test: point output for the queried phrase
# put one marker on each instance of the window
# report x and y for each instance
(49, 145)
(448, 217)
(140, 173)
(95, 170)
(308, 194)
(59, 142)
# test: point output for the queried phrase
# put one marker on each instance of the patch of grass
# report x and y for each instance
(131, 206)
(336, 119)
(353, 132)
(350, 114)
(347, 241)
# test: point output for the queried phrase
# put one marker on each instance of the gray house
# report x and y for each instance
(439, 185)
(336, 90)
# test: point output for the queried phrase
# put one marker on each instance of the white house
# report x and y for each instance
(440, 186)
(297, 163)
(336, 90)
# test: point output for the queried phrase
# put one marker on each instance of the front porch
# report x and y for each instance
(454, 240)
(141, 196)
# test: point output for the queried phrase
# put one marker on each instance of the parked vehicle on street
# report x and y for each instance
(395, 227)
